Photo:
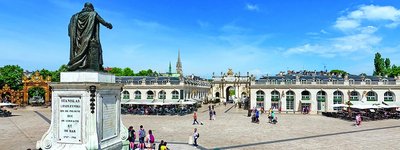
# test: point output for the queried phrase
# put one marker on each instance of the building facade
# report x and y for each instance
(320, 92)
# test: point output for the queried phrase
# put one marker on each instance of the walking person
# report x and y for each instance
(161, 144)
(150, 140)
(195, 118)
(358, 120)
(214, 114)
(142, 135)
(257, 116)
(131, 138)
(196, 135)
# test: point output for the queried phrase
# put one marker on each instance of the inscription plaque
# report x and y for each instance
(109, 123)
(70, 120)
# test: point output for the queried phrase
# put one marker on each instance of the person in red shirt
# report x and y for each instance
(195, 118)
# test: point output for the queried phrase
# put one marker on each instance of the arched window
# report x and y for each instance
(125, 95)
(321, 97)
(161, 95)
(388, 96)
(305, 95)
(150, 94)
(372, 96)
(275, 97)
(175, 94)
(138, 95)
(290, 100)
(260, 98)
(337, 99)
(354, 96)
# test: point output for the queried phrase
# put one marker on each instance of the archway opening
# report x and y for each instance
(230, 94)
(36, 96)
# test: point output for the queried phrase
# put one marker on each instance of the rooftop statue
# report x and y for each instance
(85, 47)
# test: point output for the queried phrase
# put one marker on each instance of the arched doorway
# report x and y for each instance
(230, 94)
(321, 99)
(10, 95)
(36, 95)
(37, 80)
(217, 95)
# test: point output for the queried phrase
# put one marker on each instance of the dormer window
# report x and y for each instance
(368, 81)
(351, 81)
(385, 81)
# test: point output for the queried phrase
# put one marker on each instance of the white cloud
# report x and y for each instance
(343, 23)
(252, 7)
(358, 36)
(389, 15)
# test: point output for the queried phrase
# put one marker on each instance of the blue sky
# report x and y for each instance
(260, 37)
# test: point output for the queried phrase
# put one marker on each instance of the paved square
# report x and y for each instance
(230, 130)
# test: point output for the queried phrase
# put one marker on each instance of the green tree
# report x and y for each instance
(387, 63)
(36, 91)
(116, 71)
(45, 73)
(142, 73)
(338, 72)
(56, 74)
(11, 75)
(128, 72)
(394, 71)
(379, 65)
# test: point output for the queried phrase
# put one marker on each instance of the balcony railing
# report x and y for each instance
(371, 99)
(275, 99)
(305, 97)
(353, 99)
(321, 99)
(138, 97)
(260, 99)
(388, 99)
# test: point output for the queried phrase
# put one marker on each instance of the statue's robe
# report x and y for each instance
(85, 47)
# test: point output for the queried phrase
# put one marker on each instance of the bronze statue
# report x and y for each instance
(85, 47)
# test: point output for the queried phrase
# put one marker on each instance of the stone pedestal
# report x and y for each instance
(74, 122)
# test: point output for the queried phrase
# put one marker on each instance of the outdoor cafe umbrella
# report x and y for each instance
(7, 104)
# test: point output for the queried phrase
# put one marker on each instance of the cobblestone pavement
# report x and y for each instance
(230, 130)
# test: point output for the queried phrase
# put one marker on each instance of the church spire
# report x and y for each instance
(179, 64)
(170, 68)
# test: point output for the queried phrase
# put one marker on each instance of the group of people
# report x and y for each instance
(145, 140)
(305, 110)
(255, 115)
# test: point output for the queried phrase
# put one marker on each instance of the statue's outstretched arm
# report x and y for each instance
(101, 20)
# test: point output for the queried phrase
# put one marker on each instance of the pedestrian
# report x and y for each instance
(358, 120)
(142, 135)
(214, 114)
(196, 135)
(211, 113)
(164, 146)
(131, 138)
(195, 118)
(257, 116)
(161, 144)
(272, 117)
(150, 140)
